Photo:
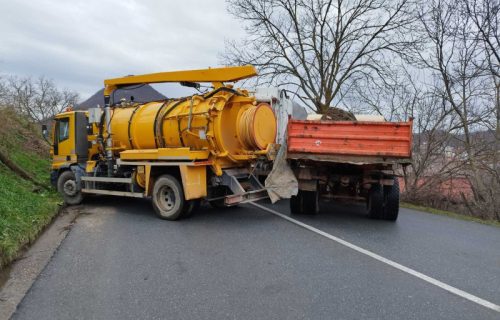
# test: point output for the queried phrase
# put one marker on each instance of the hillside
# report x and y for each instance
(25, 208)
(142, 93)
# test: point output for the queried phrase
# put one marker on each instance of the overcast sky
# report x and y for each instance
(78, 44)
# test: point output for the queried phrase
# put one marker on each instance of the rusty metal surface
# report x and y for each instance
(352, 159)
(350, 141)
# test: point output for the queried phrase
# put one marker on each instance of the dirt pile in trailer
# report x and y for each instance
(338, 114)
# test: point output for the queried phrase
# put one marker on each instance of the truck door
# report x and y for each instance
(63, 139)
(81, 140)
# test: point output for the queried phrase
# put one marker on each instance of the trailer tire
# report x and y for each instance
(296, 206)
(391, 201)
(310, 202)
(66, 185)
(376, 202)
(168, 198)
(305, 202)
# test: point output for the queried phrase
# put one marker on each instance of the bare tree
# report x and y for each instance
(3, 92)
(485, 15)
(459, 58)
(38, 99)
(433, 162)
(321, 49)
(397, 98)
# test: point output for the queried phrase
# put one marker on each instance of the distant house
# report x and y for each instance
(142, 93)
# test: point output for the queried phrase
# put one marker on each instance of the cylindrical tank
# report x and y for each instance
(228, 123)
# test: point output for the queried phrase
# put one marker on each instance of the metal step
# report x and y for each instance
(244, 185)
(249, 196)
(114, 193)
(107, 179)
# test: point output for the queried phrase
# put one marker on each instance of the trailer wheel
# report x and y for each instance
(391, 201)
(168, 198)
(66, 185)
(305, 202)
(376, 202)
(310, 202)
(296, 204)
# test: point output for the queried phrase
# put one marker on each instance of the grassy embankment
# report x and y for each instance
(25, 209)
(449, 214)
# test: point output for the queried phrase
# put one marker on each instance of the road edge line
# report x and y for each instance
(410, 271)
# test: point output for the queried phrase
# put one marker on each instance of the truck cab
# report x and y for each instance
(70, 144)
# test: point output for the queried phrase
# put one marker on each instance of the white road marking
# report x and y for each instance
(437, 283)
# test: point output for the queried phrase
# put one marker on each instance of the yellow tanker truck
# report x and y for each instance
(175, 151)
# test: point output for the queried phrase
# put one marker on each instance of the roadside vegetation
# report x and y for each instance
(451, 214)
(26, 205)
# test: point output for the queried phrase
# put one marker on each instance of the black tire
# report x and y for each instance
(305, 202)
(310, 202)
(217, 192)
(391, 201)
(376, 202)
(168, 198)
(217, 204)
(296, 204)
(66, 185)
(191, 207)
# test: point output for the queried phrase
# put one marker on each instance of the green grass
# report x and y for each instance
(449, 214)
(23, 213)
(24, 209)
(37, 166)
(24, 144)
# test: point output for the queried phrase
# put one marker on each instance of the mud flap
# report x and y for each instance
(281, 183)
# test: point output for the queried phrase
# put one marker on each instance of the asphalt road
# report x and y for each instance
(120, 262)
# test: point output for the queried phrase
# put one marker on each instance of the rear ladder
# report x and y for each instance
(244, 186)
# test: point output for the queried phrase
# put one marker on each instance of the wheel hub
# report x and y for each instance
(167, 198)
(70, 187)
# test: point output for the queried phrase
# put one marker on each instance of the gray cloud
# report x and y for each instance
(81, 43)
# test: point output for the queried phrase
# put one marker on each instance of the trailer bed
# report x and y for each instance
(356, 142)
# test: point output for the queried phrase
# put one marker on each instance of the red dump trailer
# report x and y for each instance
(348, 160)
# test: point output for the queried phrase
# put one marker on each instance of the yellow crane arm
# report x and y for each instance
(215, 75)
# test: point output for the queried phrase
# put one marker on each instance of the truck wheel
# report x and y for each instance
(310, 202)
(168, 198)
(190, 207)
(376, 202)
(296, 204)
(391, 201)
(217, 192)
(217, 204)
(66, 185)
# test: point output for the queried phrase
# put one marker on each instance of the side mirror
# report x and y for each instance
(45, 131)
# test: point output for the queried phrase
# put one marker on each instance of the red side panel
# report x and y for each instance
(350, 138)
